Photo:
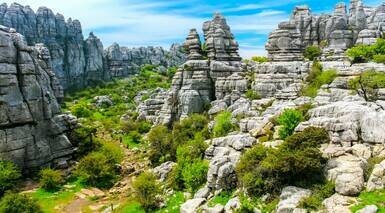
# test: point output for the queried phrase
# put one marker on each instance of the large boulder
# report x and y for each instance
(339, 203)
(290, 198)
(377, 178)
(192, 206)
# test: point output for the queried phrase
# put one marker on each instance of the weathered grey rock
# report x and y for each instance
(347, 172)
(32, 128)
(123, 61)
(339, 203)
(149, 109)
(94, 67)
(194, 85)
(232, 205)
(163, 170)
(290, 198)
(103, 101)
(203, 193)
(191, 206)
(224, 154)
(216, 209)
(377, 178)
(368, 209)
(335, 32)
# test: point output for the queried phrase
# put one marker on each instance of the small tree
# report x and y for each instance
(147, 189)
(19, 203)
(259, 59)
(223, 124)
(367, 84)
(194, 174)
(312, 52)
(51, 179)
(9, 175)
(289, 120)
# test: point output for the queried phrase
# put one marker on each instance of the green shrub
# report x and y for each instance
(147, 189)
(289, 120)
(312, 52)
(364, 53)
(319, 193)
(9, 175)
(316, 78)
(297, 161)
(187, 128)
(222, 198)
(223, 124)
(134, 137)
(259, 59)
(96, 169)
(144, 127)
(81, 111)
(161, 146)
(252, 95)
(112, 151)
(367, 84)
(194, 174)
(51, 179)
(19, 203)
(379, 58)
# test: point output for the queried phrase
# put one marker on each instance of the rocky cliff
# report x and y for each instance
(336, 32)
(123, 61)
(32, 127)
(78, 62)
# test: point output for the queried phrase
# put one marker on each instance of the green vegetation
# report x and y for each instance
(289, 120)
(147, 189)
(319, 193)
(259, 59)
(252, 95)
(50, 179)
(222, 198)
(297, 161)
(317, 77)
(364, 53)
(312, 52)
(367, 84)
(371, 198)
(173, 203)
(194, 174)
(19, 203)
(248, 205)
(9, 176)
(223, 124)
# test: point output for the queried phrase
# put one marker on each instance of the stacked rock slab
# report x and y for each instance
(123, 61)
(337, 32)
(193, 86)
(32, 128)
(72, 59)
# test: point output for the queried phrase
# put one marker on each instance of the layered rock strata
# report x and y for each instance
(202, 78)
(32, 128)
(335, 32)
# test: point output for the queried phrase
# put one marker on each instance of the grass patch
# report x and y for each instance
(173, 203)
(371, 198)
(49, 200)
(131, 207)
(222, 198)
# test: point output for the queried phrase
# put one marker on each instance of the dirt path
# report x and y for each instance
(76, 206)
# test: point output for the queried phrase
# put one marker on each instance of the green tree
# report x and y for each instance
(194, 174)
(289, 120)
(367, 84)
(147, 189)
(9, 175)
(161, 146)
(223, 124)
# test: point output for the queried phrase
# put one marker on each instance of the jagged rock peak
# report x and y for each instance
(339, 31)
(219, 40)
(32, 128)
(193, 45)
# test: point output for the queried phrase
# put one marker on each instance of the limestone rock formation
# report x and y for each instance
(195, 84)
(377, 178)
(290, 198)
(32, 128)
(123, 61)
(336, 32)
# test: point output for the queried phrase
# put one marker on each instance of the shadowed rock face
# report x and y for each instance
(32, 128)
(338, 31)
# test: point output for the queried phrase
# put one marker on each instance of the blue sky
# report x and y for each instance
(163, 22)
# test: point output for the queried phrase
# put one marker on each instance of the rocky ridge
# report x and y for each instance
(80, 62)
(32, 127)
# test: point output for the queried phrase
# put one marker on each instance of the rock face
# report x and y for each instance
(123, 61)
(336, 32)
(377, 178)
(194, 85)
(290, 198)
(32, 128)
(78, 62)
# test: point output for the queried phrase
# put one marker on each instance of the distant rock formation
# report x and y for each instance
(338, 31)
(32, 127)
(123, 61)
(194, 85)
(78, 62)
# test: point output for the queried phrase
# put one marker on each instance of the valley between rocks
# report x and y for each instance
(196, 128)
